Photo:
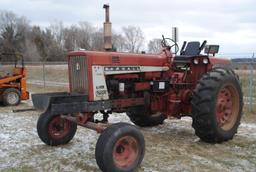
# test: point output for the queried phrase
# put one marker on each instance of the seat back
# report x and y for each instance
(192, 49)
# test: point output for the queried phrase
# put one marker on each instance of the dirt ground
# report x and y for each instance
(172, 146)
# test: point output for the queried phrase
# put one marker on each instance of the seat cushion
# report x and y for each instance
(182, 59)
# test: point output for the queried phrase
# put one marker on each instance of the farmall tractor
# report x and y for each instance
(149, 88)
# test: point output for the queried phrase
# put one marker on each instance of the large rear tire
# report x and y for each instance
(120, 148)
(11, 97)
(139, 116)
(54, 130)
(217, 105)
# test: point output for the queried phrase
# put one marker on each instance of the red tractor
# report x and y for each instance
(149, 88)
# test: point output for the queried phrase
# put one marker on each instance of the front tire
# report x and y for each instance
(120, 148)
(11, 97)
(54, 130)
(217, 106)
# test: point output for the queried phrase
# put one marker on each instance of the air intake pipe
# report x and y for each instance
(107, 30)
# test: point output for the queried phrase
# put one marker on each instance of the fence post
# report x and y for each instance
(251, 85)
(44, 74)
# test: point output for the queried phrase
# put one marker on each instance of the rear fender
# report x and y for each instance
(219, 61)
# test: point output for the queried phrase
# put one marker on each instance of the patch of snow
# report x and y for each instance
(248, 125)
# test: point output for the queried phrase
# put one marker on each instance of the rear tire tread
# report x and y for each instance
(139, 117)
(203, 108)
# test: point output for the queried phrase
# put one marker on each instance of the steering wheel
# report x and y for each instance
(166, 44)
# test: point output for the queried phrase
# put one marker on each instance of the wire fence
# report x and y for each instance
(247, 75)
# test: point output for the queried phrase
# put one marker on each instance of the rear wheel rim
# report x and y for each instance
(227, 107)
(58, 128)
(125, 152)
(12, 98)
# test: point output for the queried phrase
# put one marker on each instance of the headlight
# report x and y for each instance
(196, 61)
(205, 61)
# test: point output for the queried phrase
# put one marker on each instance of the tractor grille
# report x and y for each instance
(78, 75)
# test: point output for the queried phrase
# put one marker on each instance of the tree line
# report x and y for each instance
(18, 36)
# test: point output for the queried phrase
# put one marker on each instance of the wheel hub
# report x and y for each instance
(12, 98)
(125, 151)
(59, 127)
(227, 107)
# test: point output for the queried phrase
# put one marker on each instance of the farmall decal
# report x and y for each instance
(122, 68)
(110, 70)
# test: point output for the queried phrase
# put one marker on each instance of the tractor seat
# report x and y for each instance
(192, 49)
(189, 50)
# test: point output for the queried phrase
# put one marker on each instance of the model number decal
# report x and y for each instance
(100, 93)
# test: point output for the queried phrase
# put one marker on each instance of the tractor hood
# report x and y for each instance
(117, 58)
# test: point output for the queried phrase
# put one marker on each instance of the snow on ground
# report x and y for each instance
(172, 146)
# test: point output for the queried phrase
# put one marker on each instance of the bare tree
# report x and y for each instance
(154, 46)
(31, 54)
(84, 35)
(13, 32)
(70, 42)
(97, 41)
(79, 36)
(57, 30)
(53, 42)
(134, 38)
(118, 42)
(7, 19)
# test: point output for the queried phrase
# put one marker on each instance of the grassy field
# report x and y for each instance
(58, 73)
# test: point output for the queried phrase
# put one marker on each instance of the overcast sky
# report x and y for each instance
(230, 23)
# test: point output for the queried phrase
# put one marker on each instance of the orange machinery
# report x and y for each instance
(13, 86)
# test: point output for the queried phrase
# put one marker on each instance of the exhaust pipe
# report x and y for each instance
(107, 30)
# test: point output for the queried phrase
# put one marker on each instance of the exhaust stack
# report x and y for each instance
(107, 30)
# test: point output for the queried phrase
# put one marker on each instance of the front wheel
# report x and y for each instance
(217, 105)
(120, 148)
(11, 97)
(54, 130)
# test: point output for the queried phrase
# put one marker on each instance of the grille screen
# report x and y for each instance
(78, 75)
